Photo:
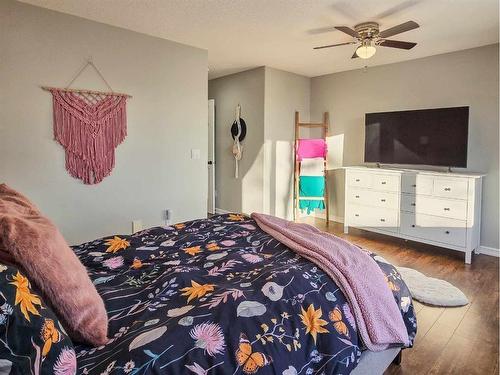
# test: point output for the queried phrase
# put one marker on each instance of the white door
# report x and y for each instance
(211, 157)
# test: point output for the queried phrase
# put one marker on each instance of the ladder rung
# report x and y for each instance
(312, 198)
(312, 125)
(318, 157)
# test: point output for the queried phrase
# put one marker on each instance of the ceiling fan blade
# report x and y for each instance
(355, 55)
(334, 45)
(348, 31)
(407, 26)
(397, 44)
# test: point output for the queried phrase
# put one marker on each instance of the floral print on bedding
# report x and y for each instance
(32, 340)
(220, 296)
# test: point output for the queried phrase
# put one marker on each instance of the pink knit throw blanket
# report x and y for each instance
(376, 312)
(89, 128)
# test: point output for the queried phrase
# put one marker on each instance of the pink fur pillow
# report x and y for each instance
(33, 242)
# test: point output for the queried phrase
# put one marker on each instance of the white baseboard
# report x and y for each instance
(221, 211)
(491, 251)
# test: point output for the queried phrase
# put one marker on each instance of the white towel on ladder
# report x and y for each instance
(312, 167)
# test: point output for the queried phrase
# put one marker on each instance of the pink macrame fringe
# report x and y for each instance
(89, 133)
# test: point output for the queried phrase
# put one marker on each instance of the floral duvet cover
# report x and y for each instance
(220, 296)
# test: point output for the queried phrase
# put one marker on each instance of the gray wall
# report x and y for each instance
(167, 117)
(269, 98)
(467, 77)
(285, 93)
(244, 194)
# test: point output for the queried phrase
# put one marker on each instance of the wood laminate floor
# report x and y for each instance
(459, 340)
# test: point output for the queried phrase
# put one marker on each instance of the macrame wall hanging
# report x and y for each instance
(89, 125)
(238, 132)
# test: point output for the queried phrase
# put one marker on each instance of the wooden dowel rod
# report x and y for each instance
(312, 125)
(47, 88)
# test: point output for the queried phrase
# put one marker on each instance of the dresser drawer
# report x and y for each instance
(450, 208)
(385, 182)
(365, 216)
(408, 202)
(438, 229)
(451, 187)
(373, 198)
(416, 184)
(359, 179)
(424, 185)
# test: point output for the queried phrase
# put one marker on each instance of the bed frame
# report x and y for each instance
(375, 363)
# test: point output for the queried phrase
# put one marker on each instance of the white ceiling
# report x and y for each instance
(242, 34)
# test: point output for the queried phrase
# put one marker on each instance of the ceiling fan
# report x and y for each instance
(368, 36)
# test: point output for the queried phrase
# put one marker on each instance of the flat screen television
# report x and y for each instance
(422, 137)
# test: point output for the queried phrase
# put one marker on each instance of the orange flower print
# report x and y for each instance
(136, 264)
(312, 321)
(24, 298)
(212, 246)
(236, 217)
(115, 244)
(193, 250)
(196, 290)
(179, 226)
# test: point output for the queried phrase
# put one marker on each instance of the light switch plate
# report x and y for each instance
(195, 153)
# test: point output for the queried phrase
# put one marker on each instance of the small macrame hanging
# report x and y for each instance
(238, 132)
(89, 125)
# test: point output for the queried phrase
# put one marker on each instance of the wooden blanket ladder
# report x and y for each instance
(297, 164)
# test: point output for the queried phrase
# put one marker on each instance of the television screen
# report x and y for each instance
(425, 137)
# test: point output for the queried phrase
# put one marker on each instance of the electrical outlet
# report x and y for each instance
(167, 215)
(136, 226)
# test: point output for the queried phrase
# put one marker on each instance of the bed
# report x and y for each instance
(221, 296)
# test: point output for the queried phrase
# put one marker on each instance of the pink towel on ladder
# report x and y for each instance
(376, 312)
(310, 148)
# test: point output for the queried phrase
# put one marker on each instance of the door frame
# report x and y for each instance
(211, 158)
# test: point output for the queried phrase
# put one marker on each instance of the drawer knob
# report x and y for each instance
(357, 196)
(413, 225)
(382, 200)
(356, 214)
(447, 232)
(383, 220)
(447, 189)
(446, 209)
(413, 204)
(414, 185)
(357, 180)
(383, 182)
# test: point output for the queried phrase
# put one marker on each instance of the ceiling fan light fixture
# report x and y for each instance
(366, 50)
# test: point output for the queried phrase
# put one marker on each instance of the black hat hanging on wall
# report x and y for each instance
(238, 132)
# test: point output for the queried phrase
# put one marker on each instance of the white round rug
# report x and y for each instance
(430, 290)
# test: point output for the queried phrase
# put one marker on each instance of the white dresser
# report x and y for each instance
(438, 208)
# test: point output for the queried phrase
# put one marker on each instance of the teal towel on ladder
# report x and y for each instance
(311, 204)
(311, 186)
